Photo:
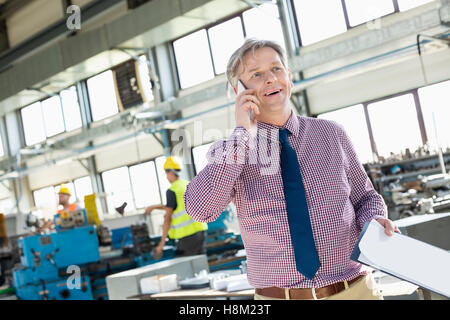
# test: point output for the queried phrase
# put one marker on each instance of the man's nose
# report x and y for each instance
(270, 77)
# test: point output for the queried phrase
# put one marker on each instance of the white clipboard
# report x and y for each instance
(405, 258)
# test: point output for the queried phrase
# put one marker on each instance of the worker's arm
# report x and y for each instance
(166, 228)
(149, 209)
(209, 193)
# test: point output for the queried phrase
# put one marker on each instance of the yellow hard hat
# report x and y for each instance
(171, 163)
(64, 190)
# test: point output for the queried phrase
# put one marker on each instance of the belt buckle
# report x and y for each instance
(346, 286)
(287, 294)
(313, 290)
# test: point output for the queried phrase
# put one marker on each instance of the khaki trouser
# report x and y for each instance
(363, 289)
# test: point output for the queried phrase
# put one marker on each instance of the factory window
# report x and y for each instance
(360, 11)
(71, 108)
(193, 59)
(263, 22)
(163, 182)
(102, 96)
(434, 102)
(83, 187)
(199, 156)
(45, 197)
(7, 200)
(317, 21)
(33, 124)
(53, 117)
(118, 189)
(7, 206)
(390, 133)
(145, 184)
(225, 38)
(354, 122)
(404, 5)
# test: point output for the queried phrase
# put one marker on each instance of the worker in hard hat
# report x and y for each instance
(189, 234)
(64, 197)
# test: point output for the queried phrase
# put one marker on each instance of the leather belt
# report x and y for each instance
(306, 293)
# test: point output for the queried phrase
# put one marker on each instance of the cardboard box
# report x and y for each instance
(159, 283)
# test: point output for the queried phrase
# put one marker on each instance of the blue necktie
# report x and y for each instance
(306, 257)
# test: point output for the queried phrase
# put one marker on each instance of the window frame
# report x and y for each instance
(156, 174)
(22, 127)
(129, 177)
(346, 18)
(240, 16)
(192, 155)
(418, 108)
(176, 62)
(79, 107)
(91, 116)
(206, 28)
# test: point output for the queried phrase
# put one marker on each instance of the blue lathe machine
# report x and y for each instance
(67, 264)
(72, 262)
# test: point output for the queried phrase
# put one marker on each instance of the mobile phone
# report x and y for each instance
(241, 88)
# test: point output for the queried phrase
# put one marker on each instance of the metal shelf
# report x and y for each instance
(411, 174)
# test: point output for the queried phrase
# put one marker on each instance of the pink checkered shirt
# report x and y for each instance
(339, 194)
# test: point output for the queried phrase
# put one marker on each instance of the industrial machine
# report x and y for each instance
(72, 262)
(223, 248)
(46, 258)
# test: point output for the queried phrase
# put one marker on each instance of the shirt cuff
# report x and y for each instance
(241, 136)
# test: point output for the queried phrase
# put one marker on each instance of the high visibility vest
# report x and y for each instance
(72, 208)
(182, 224)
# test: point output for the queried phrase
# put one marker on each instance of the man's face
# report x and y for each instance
(63, 198)
(264, 72)
(171, 177)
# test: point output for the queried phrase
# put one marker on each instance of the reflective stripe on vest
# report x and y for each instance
(182, 225)
(178, 214)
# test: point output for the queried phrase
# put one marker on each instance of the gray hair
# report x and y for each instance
(252, 45)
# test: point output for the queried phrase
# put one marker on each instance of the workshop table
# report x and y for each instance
(196, 294)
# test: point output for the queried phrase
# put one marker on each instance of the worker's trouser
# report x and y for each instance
(192, 245)
(364, 289)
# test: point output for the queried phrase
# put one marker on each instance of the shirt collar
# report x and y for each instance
(292, 125)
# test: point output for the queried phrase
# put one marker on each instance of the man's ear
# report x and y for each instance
(290, 79)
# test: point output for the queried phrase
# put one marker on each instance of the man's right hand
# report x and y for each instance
(246, 101)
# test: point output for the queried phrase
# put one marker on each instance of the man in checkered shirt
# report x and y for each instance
(245, 169)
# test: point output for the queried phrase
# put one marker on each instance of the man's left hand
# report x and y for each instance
(389, 226)
(159, 249)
